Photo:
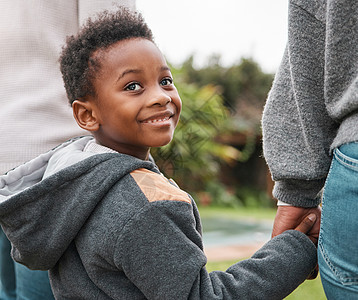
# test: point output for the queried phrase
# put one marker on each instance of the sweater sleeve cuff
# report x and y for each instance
(301, 193)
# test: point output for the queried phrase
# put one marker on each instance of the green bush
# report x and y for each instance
(193, 157)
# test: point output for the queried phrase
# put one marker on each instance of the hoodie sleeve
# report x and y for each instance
(160, 251)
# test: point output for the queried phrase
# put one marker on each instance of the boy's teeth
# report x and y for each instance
(157, 120)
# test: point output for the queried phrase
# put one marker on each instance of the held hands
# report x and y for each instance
(305, 220)
(292, 217)
(306, 225)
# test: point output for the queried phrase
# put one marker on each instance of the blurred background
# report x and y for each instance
(229, 28)
(223, 55)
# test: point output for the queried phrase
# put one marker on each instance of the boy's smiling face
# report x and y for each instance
(137, 105)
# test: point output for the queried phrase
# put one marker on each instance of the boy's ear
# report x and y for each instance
(85, 115)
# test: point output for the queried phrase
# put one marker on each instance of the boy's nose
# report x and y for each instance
(159, 98)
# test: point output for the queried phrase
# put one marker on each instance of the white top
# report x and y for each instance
(35, 115)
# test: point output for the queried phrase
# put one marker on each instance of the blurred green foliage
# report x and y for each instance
(193, 157)
(217, 101)
(243, 81)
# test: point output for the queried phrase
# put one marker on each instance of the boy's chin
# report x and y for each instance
(162, 143)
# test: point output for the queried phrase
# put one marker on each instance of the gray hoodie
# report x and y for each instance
(110, 226)
(312, 106)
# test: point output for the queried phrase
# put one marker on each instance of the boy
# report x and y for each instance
(99, 215)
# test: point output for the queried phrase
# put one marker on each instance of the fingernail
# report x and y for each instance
(312, 217)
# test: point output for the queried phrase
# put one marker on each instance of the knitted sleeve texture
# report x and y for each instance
(311, 108)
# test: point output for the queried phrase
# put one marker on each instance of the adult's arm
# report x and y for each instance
(297, 128)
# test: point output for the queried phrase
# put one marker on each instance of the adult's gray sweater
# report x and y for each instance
(110, 226)
(312, 106)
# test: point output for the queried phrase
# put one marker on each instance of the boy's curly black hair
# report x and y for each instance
(77, 64)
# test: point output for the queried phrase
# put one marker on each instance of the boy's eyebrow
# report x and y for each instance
(128, 72)
(165, 68)
(136, 71)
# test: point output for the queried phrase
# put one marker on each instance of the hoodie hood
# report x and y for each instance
(41, 216)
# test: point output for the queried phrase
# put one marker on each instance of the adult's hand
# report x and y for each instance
(292, 217)
(306, 225)
(289, 217)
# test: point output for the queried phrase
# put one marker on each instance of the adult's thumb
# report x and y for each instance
(307, 223)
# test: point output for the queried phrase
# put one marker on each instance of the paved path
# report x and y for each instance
(231, 252)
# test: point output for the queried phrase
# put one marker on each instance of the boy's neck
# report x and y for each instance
(144, 155)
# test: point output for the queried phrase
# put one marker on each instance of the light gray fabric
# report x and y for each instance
(35, 115)
(32, 172)
(312, 106)
(92, 226)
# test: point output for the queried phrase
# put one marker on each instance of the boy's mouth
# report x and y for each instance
(159, 118)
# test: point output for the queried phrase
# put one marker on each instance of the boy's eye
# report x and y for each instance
(133, 87)
(166, 81)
